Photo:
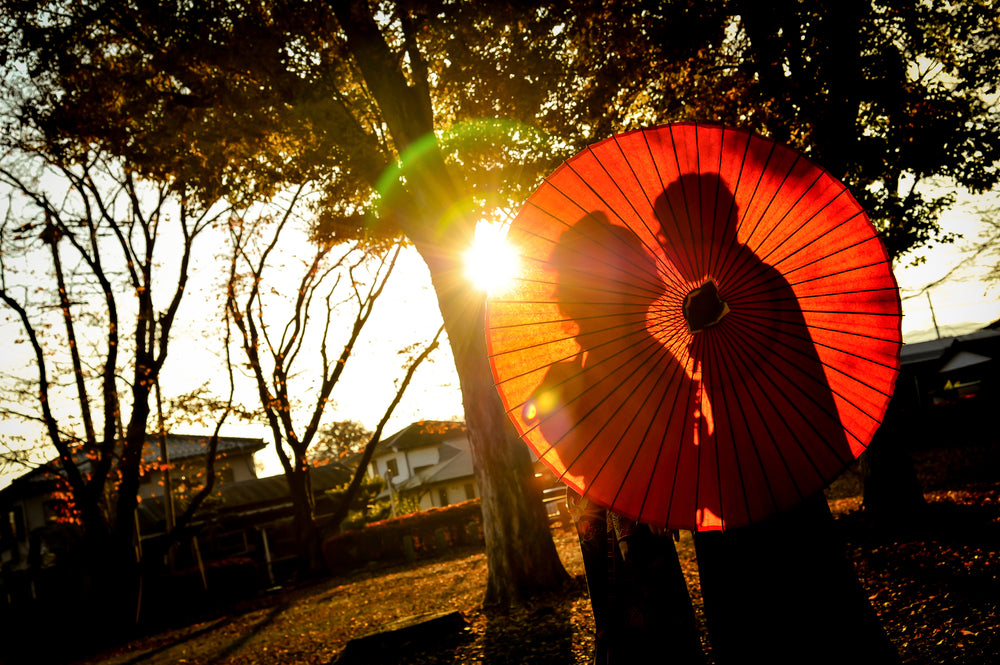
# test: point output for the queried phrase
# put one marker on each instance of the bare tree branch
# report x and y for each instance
(366, 456)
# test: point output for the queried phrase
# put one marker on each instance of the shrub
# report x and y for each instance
(422, 534)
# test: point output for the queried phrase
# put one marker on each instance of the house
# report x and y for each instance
(944, 370)
(233, 463)
(947, 391)
(33, 508)
(428, 461)
(249, 518)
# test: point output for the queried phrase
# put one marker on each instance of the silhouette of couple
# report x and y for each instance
(688, 343)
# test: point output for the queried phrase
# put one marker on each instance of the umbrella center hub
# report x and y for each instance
(704, 307)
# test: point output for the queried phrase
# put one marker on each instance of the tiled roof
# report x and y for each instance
(421, 434)
(186, 446)
(935, 349)
(180, 447)
(256, 495)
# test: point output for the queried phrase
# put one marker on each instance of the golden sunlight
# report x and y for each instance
(490, 263)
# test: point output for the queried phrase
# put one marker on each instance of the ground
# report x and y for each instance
(936, 588)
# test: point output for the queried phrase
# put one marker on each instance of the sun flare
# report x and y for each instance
(490, 263)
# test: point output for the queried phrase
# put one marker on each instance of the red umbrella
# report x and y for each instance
(704, 329)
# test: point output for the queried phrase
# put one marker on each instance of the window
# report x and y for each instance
(443, 496)
(17, 526)
(392, 466)
(470, 491)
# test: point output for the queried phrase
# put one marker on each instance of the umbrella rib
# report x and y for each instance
(521, 324)
(749, 310)
(753, 195)
(783, 275)
(562, 359)
(635, 290)
(794, 406)
(737, 361)
(680, 449)
(569, 227)
(715, 257)
(642, 349)
(839, 250)
(774, 340)
(663, 190)
(890, 340)
(835, 273)
(605, 398)
(765, 329)
(568, 336)
(672, 411)
(649, 371)
(761, 297)
(577, 353)
(614, 180)
(701, 226)
(809, 220)
(752, 373)
(697, 273)
(651, 204)
(787, 212)
(733, 270)
(697, 351)
(713, 368)
(874, 289)
(826, 255)
(654, 282)
(727, 250)
(609, 207)
(740, 271)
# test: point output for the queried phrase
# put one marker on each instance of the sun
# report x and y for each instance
(490, 263)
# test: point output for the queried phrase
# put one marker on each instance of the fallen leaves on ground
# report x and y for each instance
(935, 586)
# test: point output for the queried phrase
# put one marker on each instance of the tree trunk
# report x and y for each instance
(520, 553)
(135, 438)
(892, 495)
(307, 535)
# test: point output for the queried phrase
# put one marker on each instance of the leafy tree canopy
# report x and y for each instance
(244, 97)
(338, 440)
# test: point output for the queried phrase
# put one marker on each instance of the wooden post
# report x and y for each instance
(267, 556)
(201, 564)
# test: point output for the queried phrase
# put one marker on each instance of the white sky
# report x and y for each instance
(962, 303)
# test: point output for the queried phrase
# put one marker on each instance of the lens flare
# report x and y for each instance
(490, 263)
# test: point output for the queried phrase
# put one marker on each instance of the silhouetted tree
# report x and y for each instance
(94, 263)
(339, 440)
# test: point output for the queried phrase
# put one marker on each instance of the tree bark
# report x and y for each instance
(892, 496)
(307, 534)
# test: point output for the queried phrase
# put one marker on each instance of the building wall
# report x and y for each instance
(379, 464)
(191, 472)
(406, 462)
(447, 494)
(243, 468)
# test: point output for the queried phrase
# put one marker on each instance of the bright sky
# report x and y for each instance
(963, 302)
